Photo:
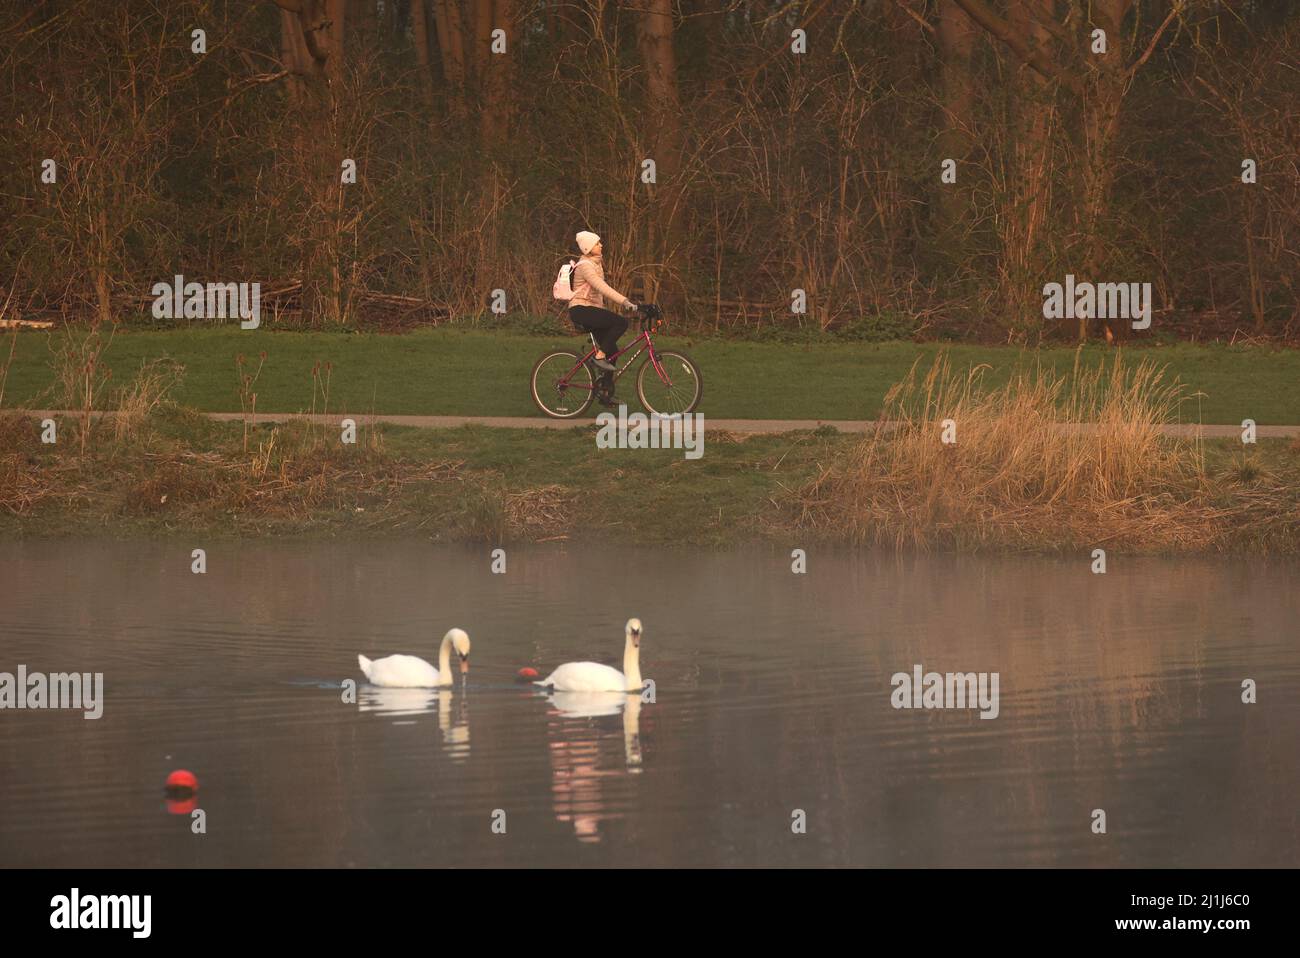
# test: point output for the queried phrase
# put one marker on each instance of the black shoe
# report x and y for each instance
(605, 389)
(604, 364)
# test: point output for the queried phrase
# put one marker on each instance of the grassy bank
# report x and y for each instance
(176, 472)
(173, 472)
(468, 372)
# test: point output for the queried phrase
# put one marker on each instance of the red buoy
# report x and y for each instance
(182, 806)
(527, 674)
(182, 781)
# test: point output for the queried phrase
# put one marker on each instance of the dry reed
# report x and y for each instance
(1044, 461)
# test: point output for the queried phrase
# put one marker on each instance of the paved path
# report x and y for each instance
(722, 425)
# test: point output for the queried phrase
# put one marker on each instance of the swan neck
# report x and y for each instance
(444, 661)
(632, 665)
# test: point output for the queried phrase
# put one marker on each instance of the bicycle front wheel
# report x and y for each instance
(672, 388)
(560, 390)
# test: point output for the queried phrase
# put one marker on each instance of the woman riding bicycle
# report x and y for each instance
(587, 307)
(565, 382)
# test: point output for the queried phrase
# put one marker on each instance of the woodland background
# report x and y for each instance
(775, 170)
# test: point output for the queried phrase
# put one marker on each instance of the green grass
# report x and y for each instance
(472, 372)
(187, 474)
(183, 474)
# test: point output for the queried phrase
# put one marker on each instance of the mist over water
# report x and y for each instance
(1119, 691)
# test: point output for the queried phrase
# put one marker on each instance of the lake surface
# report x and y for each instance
(773, 690)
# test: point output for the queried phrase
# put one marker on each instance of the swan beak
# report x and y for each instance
(636, 638)
(464, 665)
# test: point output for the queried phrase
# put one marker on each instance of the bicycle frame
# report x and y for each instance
(641, 344)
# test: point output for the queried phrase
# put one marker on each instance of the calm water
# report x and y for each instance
(1119, 692)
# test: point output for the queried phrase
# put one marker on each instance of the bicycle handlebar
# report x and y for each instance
(650, 314)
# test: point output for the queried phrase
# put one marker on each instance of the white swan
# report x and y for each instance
(589, 704)
(594, 677)
(410, 672)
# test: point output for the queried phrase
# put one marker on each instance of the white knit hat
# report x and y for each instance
(586, 240)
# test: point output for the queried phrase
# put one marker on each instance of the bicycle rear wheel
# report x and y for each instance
(676, 391)
(557, 396)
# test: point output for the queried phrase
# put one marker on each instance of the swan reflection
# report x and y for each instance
(582, 773)
(406, 704)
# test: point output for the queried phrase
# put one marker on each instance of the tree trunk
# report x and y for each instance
(497, 88)
(290, 57)
(451, 46)
(335, 12)
(655, 39)
(312, 43)
(1101, 116)
(482, 21)
(420, 31)
(956, 36)
(1030, 189)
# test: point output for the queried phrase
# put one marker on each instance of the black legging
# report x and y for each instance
(607, 326)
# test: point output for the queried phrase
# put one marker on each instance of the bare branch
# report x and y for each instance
(1176, 9)
(915, 16)
(980, 12)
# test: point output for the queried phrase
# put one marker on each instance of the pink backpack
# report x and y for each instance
(563, 288)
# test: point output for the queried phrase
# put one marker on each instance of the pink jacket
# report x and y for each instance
(589, 286)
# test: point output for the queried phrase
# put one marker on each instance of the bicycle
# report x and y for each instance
(668, 382)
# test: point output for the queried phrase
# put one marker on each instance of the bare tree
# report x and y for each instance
(420, 33)
(450, 20)
(495, 73)
(1097, 79)
(956, 37)
(655, 40)
(312, 36)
